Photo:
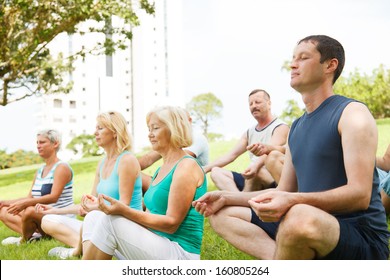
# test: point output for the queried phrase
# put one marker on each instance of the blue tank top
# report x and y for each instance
(317, 155)
(110, 186)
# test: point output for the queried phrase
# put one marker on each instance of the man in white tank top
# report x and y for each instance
(267, 136)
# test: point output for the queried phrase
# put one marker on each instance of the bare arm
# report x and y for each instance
(62, 176)
(89, 201)
(97, 179)
(359, 138)
(48, 209)
(277, 142)
(128, 171)
(187, 177)
(148, 159)
(211, 202)
(384, 161)
(288, 178)
(229, 157)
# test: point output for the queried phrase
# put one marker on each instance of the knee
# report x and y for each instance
(272, 158)
(216, 173)
(298, 225)
(216, 170)
(3, 213)
(90, 222)
(385, 201)
(28, 213)
(220, 221)
(217, 219)
(48, 225)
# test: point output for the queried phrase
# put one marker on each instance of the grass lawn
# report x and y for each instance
(16, 182)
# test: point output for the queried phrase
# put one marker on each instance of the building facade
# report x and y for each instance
(132, 81)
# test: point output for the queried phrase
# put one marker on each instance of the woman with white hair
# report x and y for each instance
(52, 185)
(170, 228)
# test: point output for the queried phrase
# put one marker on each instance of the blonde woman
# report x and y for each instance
(118, 175)
(170, 228)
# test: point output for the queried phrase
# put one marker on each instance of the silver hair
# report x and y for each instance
(53, 135)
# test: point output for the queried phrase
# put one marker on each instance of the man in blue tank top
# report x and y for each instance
(327, 204)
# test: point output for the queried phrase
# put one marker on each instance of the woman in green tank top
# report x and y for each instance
(170, 228)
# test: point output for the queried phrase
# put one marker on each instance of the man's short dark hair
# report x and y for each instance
(329, 48)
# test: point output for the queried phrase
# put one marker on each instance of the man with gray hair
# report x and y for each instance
(267, 135)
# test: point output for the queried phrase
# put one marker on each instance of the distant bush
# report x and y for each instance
(18, 158)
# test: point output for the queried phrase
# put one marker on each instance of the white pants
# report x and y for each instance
(68, 220)
(90, 222)
(134, 241)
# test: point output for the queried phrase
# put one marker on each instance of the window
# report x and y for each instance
(57, 119)
(72, 104)
(57, 103)
(72, 119)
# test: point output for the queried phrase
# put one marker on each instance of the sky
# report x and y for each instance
(232, 47)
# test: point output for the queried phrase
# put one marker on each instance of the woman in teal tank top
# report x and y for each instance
(118, 175)
(170, 228)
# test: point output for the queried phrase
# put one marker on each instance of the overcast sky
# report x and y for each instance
(231, 47)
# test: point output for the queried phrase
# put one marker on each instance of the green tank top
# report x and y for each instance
(190, 233)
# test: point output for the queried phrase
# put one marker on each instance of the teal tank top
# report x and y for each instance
(110, 186)
(190, 233)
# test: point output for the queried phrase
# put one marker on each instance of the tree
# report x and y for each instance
(204, 108)
(86, 145)
(212, 137)
(373, 90)
(27, 66)
(292, 112)
(18, 158)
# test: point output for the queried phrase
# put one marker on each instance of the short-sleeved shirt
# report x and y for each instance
(200, 147)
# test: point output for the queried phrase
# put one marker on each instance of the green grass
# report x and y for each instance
(213, 246)
(16, 182)
(383, 135)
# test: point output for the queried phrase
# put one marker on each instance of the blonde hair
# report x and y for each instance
(53, 135)
(115, 122)
(177, 121)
